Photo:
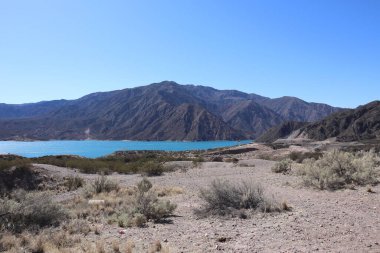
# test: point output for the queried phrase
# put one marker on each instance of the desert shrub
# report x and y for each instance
(283, 166)
(127, 207)
(74, 182)
(338, 169)
(232, 160)
(19, 177)
(29, 210)
(103, 184)
(148, 204)
(217, 159)
(299, 157)
(224, 198)
(152, 168)
(197, 161)
(15, 162)
(147, 164)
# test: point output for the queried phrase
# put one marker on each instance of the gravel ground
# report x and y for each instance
(340, 221)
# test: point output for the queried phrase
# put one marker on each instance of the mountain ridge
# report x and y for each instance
(159, 111)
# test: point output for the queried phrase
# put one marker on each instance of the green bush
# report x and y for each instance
(223, 198)
(338, 169)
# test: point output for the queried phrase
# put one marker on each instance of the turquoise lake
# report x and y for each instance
(93, 149)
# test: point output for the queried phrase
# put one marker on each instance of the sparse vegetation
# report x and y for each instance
(197, 161)
(126, 207)
(283, 166)
(74, 182)
(338, 169)
(299, 157)
(149, 164)
(152, 168)
(103, 184)
(8, 162)
(29, 210)
(224, 198)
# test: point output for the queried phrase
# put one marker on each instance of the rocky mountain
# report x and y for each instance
(295, 109)
(8, 111)
(280, 131)
(362, 123)
(160, 111)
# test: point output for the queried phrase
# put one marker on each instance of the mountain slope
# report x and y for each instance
(156, 112)
(280, 131)
(160, 111)
(8, 111)
(362, 123)
(295, 109)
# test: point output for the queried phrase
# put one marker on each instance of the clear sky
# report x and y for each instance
(322, 51)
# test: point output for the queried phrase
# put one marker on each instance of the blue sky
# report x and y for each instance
(322, 51)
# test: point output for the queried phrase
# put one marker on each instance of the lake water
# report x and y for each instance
(93, 149)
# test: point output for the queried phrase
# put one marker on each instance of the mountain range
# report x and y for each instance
(360, 124)
(159, 111)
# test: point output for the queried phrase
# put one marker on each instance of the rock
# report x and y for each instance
(96, 202)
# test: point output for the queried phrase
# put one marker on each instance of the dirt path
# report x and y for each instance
(340, 221)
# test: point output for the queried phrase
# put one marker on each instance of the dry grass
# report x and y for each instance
(8, 242)
(283, 166)
(74, 182)
(168, 191)
(30, 210)
(126, 207)
(224, 198)
(130, 245)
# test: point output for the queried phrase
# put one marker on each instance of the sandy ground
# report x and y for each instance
(340, 221)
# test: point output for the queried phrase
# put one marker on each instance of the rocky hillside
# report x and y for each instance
(160, 111)
(362, 123)
(281, 131)
(295, 109)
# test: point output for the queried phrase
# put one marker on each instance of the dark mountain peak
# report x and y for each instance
(362, 123)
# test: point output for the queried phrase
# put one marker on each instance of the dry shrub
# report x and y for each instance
(129, 246)
(283, 166)
(152, 168)
(30, 210)
(77, 226)
(197, 161)
(126, 207)
(338, 169)
(9, 242)
(299, 157)
(155, 247)
(74, 182)
(116, 246)
(100, 248)
(168, 191)
(51, 241)
(149, 205)
(224, 198)
(101, 184)
(217, 159)
(231, 160)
